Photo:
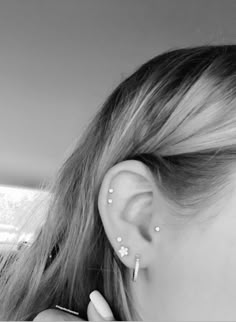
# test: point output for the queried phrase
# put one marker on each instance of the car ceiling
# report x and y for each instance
(60, 59)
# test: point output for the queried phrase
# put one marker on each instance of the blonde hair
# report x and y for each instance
(177, 114)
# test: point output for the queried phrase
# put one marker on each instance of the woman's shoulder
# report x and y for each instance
(55, 315)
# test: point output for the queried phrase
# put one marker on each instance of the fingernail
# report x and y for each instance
(101, 305)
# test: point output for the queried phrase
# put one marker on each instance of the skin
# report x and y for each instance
(187, 269)
(59, 315)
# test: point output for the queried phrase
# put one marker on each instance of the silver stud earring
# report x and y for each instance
(119, 239)
(110, 191)
(124, 251)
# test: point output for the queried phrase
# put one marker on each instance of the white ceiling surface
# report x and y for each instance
(59, 59)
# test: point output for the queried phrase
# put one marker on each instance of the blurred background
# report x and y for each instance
(59, 60)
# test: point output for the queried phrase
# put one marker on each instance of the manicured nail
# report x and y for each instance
(101, 305)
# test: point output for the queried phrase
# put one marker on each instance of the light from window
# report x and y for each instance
(14, 204)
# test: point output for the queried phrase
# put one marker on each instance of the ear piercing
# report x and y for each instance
(136, 269)
(124, 251)
(110, 191)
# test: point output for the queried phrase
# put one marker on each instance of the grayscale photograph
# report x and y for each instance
(118, 160)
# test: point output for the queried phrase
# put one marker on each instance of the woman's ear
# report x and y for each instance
(126, 206)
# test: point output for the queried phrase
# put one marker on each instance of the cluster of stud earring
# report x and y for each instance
(124, 251)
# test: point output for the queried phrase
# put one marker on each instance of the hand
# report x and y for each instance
(98, 308)
(93, 313)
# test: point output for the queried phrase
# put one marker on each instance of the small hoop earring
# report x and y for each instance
(136, 269)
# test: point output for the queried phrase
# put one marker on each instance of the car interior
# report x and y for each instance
(59, 60)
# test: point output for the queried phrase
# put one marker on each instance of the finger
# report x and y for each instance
(92, 313)
(101, 306)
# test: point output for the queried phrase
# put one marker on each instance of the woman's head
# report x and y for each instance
(165, 141)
